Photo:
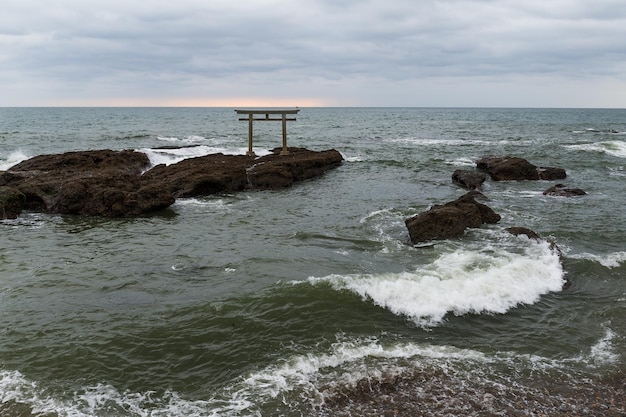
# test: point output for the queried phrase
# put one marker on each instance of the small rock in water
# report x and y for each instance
(560, 190)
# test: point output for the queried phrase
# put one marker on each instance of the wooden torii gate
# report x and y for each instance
(267, 112)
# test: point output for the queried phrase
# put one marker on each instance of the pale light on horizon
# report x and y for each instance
(193, 102)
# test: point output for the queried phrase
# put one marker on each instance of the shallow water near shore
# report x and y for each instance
(310, 300)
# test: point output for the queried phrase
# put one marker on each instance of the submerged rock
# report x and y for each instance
(451, 219)
(560, 190)
(518, 230)
(471, 180)
(507, 168)
(110, 183)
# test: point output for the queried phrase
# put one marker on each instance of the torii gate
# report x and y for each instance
(267, 112)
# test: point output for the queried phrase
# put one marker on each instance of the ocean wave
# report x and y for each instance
(612, 147)
(438, 142)
(18, 392)
(489, 280)
(316, 382)
(353, 158)
(602, 131)
(611, 260)
(192, 139)
(303, 382)
(299, 382)
(461, 162)
(355, 371)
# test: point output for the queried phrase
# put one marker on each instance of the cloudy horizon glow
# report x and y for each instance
(427, 53)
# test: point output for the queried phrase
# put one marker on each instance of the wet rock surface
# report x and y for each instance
(560, 190)
(120, 183)
(471, 180)
(508, 168)
(11, 202)
(451, 219)
(434, 391)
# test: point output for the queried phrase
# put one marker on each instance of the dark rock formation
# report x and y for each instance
(204, 175)
(69, 163)
(517, 230)
(507, 168)
(11, 202)
(471, 180)
(280, 171)
(551, 173)
(110, 183)
(560, 190)
(451, 219)
(218, 173)
(100, 183)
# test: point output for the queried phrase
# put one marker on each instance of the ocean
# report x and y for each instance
(311, 301)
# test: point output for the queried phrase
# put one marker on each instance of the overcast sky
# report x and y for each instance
(512, 53)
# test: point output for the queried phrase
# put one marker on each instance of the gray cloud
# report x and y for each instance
(356, 52)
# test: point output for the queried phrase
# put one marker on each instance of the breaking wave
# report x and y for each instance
(492, 279)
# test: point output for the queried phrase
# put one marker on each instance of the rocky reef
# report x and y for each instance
(122, 183)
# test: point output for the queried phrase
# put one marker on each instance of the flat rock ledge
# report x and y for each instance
(111, 183)
(451, 219)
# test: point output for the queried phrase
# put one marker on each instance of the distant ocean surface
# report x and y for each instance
(311, 301)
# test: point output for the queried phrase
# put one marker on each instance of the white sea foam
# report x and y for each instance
(308, 379)
(169, 156)
(296, 380)
(193, 139)
(13, 386)
(595, 130)
(461, 162)
(385, 225)
(303, 378)
(12, 159)
(300, 382)
(438, 142)
(354, 158)
(612, 147)
(611, 260)
(215, 204)
(488, 280)
(603, 352)
(102, 399)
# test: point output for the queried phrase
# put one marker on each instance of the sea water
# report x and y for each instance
(281, 302)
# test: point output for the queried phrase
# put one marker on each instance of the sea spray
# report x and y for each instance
(13, 158)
